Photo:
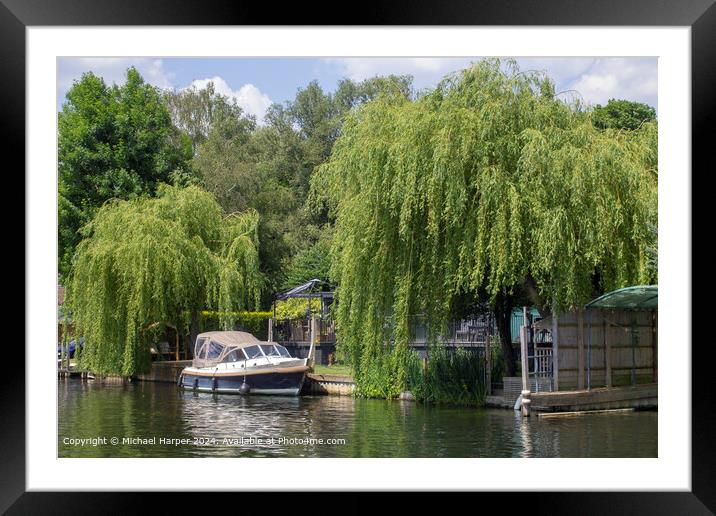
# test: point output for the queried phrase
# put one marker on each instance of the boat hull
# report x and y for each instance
(269, 382)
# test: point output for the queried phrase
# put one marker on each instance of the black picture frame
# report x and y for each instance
(700, 15)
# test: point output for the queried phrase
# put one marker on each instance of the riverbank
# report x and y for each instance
(332, 380)
(213, 426)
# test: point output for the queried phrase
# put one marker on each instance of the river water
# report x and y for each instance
(159, 420)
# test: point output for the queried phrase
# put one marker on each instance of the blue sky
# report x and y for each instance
(257, 82)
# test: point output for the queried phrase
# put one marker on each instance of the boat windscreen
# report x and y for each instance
(283, 351)
(270, 350)
(234, 355)
(214, 350)
(253, 352)
(198, 347)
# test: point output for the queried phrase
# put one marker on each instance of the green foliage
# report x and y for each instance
(296, 308)
(476, 186)
(455, 376)
(452, 376)
(255, 323)
(197, 111)
(497, 363)
(114, 142)
(312, 262)
(157, 260)
(622, 114)
(268, 168)
(316, 116)
(351, 94)
(256, 169)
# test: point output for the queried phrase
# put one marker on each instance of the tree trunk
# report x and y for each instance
(503, 316)
(193, 333)
(530, 286)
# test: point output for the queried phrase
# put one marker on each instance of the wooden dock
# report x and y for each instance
(72, 373)
(644, 396)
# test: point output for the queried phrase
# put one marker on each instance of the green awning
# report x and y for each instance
(641, 297)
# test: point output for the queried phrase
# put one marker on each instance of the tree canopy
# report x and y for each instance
(114, 142)
(145, 261)
(622, 114)
(487, 183)
(311, 262)
(196, 111)
(268, 168)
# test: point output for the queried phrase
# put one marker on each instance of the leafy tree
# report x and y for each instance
(486, 184)
(351, 94)
(268, 168)
(196, 111)
(315, 114)
(622, 114)
(159, 260)
(261, 170)
(114, 142)
(319, 115)
(309, 263)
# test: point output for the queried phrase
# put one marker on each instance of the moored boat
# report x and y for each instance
(235, 362)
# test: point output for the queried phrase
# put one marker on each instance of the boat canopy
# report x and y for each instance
(213, 347)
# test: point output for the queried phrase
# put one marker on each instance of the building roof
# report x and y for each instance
(310, 289)
(640, 297)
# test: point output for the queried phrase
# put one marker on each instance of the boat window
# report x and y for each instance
(283, 351)
(253, 352)
(214, 350)
(198, 348)
(234, 356)
(270, 350)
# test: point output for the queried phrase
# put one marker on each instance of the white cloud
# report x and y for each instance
(621, 78)
(424, 69)
(596, 79)
(251, 99)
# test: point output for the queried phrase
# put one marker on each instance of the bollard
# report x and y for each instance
(526, 403)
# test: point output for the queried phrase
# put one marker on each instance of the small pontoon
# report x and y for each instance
(236, 362)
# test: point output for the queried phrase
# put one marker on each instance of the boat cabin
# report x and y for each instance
(218, 347)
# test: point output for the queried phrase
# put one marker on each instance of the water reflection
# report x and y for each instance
(263, 426)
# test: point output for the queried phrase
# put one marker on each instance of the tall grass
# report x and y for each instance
(454, 376)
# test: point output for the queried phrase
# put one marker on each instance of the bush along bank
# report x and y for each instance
(448, 376)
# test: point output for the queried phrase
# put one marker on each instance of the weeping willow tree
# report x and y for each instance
(486, 184)
(162, 260)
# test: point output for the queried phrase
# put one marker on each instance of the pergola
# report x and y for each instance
(313, 289)
(636, 298)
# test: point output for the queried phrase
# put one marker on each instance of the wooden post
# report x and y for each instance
(525, 406)
(270, 329)
(580, 348)
(488, 372)
(176, 343)
(654, 346)
(555, 351)
(589, 351)
(634, 338)
(607, 355)
(525, 366)
(312, 348)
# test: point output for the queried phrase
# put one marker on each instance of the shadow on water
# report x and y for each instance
(272, 426)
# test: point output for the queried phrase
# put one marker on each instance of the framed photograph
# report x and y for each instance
(419, 252)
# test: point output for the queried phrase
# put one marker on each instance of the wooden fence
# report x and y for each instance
(598, 348)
